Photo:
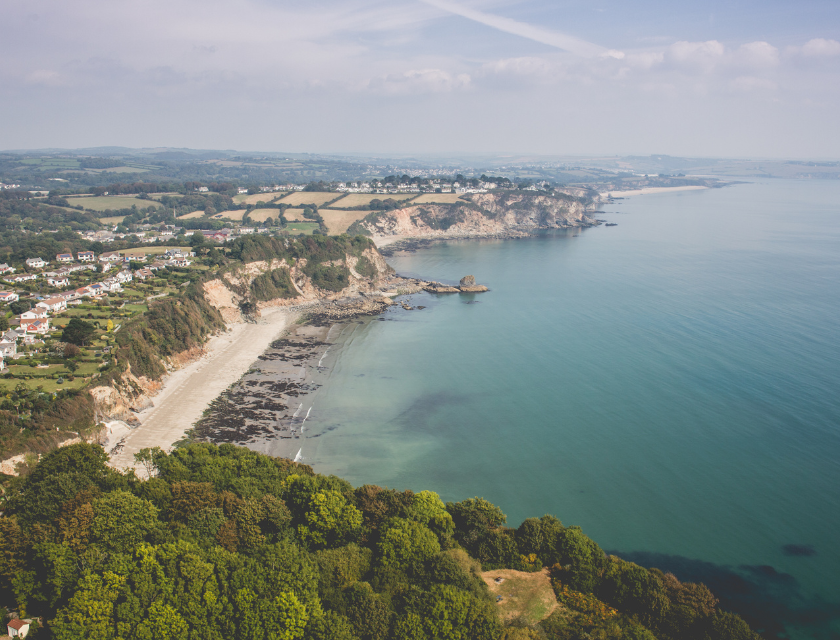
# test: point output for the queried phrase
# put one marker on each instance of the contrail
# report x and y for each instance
(562, 41)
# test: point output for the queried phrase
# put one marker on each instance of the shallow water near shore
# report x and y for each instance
(669, 384)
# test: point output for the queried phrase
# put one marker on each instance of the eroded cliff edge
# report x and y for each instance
(505, 214)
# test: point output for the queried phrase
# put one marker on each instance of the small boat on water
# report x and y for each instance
(611, 224)
(298, 457)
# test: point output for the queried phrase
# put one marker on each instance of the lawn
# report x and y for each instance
(309, 197)
(49, 385)
(296, 228)
(112, 220)
(191, 215)
(338, 221)
(437, 198)
(359, 199)
(101, 203)
(527, 597)
(154, 251)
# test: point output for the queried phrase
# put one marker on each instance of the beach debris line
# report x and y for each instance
(466, 285)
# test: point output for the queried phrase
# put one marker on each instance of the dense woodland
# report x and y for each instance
(222, 542)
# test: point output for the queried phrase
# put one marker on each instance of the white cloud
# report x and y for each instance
(551, 38)
(416, 81)
(44, 77)
(524, 66)
(751, 83)
(757, 54)
(702, 56)
(820, 48)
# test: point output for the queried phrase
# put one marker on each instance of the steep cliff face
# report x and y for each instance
(484, 214)
(294, 283)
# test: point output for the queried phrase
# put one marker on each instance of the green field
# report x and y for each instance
(306, 228)
(102, 203)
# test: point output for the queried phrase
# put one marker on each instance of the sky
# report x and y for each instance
(734, 78)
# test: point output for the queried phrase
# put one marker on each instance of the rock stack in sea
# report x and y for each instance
(467, 285)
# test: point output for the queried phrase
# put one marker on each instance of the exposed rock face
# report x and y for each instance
(512, 214)
(468, 281)
(472, 288)
(128, 395)
(437, 287)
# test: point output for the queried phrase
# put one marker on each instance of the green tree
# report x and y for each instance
(404, 544)
(427, 508)
(330, 521)
(78, 332)
(122, 520)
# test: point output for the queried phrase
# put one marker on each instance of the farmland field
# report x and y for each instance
(261, 215)
(112, 220)
(101, 203)
(230, 215)
(338, 221)
(359, 199)
(244, 198)
(191, 215)
(309, 197)
(294, 215)
(439, 198)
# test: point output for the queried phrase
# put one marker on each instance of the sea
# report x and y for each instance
(670, 384)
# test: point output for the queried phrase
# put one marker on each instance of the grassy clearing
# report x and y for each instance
(191, 215)
(296, 228)
(437, 198)
(338, 221)
(154, 251)
(244, 198)
(112, 220)
(48, 385)
(309, 197)
(101, 203)
(261, 215)
(230, 215)
(527, 597)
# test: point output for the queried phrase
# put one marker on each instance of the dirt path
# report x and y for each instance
(188, 391)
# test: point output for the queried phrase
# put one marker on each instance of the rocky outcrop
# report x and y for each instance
(467, 281)
(467, 285)
(513, 214)
(123, 398)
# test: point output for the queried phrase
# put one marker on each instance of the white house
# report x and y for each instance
(39, 327)
(9, 296)
(53, 304)
(35, 263)
(86, 256)
(110, 256)
(124, 276)
(17, 628)
(4, 268)
(22, 278)
(7, 347)
(33, 314)
(58, 282)
(64, 257)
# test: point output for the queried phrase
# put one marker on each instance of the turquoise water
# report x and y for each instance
(669, 384)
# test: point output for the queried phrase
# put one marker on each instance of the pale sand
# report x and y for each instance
(187, 392)
(647, 190)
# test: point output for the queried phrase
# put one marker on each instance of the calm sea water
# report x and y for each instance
(671, 384)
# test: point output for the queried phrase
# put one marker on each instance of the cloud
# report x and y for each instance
(44, 77)
(757, 54)
(418, 81)
(551, 38)
(820, 48)
(751, 83)
(702, 56)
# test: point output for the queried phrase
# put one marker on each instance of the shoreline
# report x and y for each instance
(188, 391)
(651, 190)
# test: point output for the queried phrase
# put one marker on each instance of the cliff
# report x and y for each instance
(508, 214)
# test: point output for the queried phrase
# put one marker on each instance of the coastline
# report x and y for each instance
(188, 391)
(651, 190)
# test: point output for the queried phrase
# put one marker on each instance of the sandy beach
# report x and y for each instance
(650, 190)
(188, 391)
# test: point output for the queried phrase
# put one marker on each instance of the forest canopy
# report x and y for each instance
(222, 542)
